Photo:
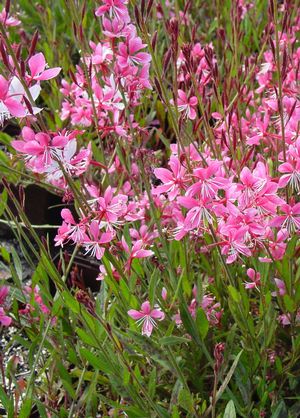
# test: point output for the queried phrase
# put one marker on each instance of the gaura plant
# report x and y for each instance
(169, 131)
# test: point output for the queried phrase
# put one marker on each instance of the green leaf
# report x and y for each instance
(17, 264)
(98, 361)
(26, 409)
(86, 338)
(289, 303)
(185, 400)
(290, 249)
(234, 294)
(172, 340)
(230, 410)
(152, 286)
(175, 412)
(6, 401)
(229, 375)
(188, 321)
(71, 302)
(152, 383)
(3, 201)
(202, 323)
(280, 411)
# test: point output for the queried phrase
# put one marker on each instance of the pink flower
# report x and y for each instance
(198, 212)
(109, 207)
(137, 251)
(73, 163)
(70, 230)
(103, 273)
(291, 175)
(4, 319)
(94, 244)
(9, 103)
(291, 219)
(115, 28)
(255, 279)
(129, 53)
(280, 286)
(146, 317)
(4, 290)
(208, 182)
(7, 20)
(37, 65)
(164, 293)
(173, 181)
(234, 245)
(186, 105)
(143, 234)
(115, 8)
(40, 148)
(12, 94)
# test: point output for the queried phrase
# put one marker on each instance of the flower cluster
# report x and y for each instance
(118, 73)
(19, 92)
(53, 154)
(222, 188)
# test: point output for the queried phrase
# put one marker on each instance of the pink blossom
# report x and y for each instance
(37, 64)
(116, 28)
(146, 317)
(290, 220)
(255, 279)
(129, 53)
(4, 290)
(5, 320)
(208, 182)
(234, 244)
(198, 212)
(70, 230)
(173, 181)
(94, 243)
(7, 20)
(185, 105)
(10, 104)
(109, 207)
(114, 8)
(40, 148)
(280, 286)
(143, 234)
(137, 251)
(164, 293)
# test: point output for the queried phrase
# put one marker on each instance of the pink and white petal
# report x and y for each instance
(147, 327)
(18, 145)
(4, 85)
(283, 181)
(33, 148)
(136, 315)
(157, 314)
(193, 101)
(37, 64)
(59, 141)
(28, 134)
(42, 138)
(15, 108)
(67, 216)
(49, 74)
(146, 308)
(125, 245)
(143, 253)
(106, 237)
(285, 168)
(163, 174)
(192, 113)
(94, 230)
